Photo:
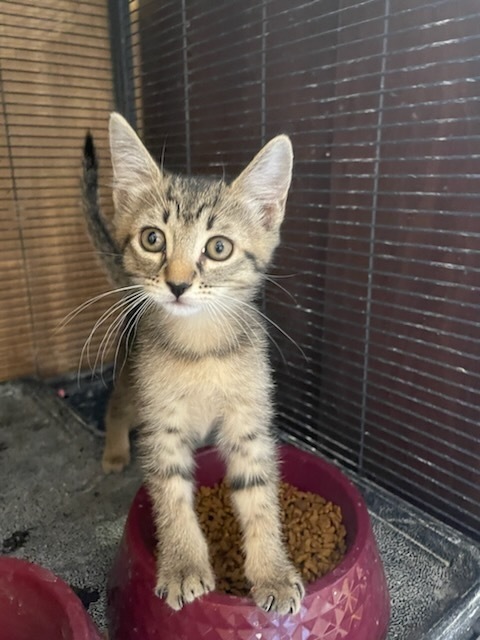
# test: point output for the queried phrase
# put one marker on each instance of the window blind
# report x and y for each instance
(380, 252)
(55, 83)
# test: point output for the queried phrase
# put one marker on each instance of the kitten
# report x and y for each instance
(197, 250)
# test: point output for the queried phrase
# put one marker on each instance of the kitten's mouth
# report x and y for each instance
(180, 307)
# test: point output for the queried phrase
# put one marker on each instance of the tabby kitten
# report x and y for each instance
(195, 252)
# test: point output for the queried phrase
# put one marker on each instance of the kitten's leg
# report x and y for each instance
(184, 572)
(253, 478)
(119, 420)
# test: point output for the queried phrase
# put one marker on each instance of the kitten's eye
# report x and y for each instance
(219, 248)
(152, 239)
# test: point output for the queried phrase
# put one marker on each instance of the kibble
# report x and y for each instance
(313, 531)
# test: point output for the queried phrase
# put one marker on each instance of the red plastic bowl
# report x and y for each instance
(36, 605)
(350, 603)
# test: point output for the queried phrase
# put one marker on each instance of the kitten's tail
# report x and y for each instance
(97, 227)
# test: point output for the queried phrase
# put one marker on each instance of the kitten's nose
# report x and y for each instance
(178, 289)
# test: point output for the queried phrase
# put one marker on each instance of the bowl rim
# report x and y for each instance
(78, 619)
(217, 598)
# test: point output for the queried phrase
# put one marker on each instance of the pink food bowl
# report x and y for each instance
(350, 603)
(36, 605)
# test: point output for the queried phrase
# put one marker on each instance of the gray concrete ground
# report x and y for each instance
(59, 510)
(56, 506)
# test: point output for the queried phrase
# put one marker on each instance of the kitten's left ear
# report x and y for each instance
(266, 180)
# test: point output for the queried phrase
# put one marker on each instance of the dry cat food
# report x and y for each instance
(312, 527)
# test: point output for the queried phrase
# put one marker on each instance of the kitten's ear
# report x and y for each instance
(266, 180)
(132, 164)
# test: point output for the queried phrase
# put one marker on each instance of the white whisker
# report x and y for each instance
(109, 338)
(129, 326)
(274, 324)
(278, 276)
(215, 313)
(104, 317)
(237, 318)
(127, 300)
(69, 317)
(113, 330)
(264, 330)
(277, 284)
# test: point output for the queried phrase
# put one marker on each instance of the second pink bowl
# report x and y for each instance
(37, 605)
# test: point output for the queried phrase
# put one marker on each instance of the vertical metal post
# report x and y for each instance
(373, 223)
(263, 97)
(186, 88)
(122, 61)
(263, 109)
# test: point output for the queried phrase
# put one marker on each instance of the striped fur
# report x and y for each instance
(201, 362)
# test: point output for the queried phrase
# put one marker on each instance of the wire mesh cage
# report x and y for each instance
(377, 276)
(372, 300)
(373, 296)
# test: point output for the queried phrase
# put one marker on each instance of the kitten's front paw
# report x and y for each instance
(283, 595)
(184, 584)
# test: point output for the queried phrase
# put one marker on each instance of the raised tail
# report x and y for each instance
(98, 230)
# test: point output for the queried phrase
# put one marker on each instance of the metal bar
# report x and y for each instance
(371, 250)
(122, 60)
(263, 82)
(186, 87)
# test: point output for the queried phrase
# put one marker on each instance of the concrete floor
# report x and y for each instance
(59, 510)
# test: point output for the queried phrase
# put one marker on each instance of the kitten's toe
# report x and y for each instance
(184, 586)
(196, 585)
(115, 462)
(282, 596)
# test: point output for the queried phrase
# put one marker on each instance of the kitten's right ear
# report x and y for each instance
(266, 180)
(132, 164)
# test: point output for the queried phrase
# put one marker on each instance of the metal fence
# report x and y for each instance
(381, 243)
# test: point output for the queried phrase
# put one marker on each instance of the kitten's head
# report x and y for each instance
(193, 243)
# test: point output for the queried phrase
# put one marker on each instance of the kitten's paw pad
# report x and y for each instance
(284, 596)
(115, 462)
(185, 586)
